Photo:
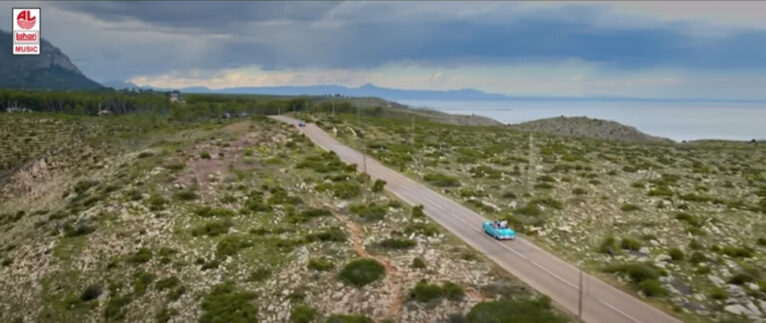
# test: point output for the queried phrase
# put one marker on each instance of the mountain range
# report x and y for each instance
(51, 70)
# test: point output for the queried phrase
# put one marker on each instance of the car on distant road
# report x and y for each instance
(301, 124)
(499, 230)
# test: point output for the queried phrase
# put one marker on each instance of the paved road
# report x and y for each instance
(540, 269)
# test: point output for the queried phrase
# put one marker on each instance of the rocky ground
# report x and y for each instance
(683, 225)
(108, 220)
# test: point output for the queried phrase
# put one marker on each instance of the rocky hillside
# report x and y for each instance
(52, 69)
(588, 128)
(236, 221)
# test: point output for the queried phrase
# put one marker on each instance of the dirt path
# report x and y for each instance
(394, 289)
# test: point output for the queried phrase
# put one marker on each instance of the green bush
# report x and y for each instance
(143, 255)
(652, 288)
(343, 318)
(417, 212)
(608, 246)
(320, 264)
(676, 254)
(741, 278)
(302, 314)
(212, 228)
(719, 293)
(157, 203)
(333, 234)
(259, 275)
(425, 292)
(227, 304)
(689, 219)
(630, 244)
(737, 252)
(453, 291)
(207, 212)
(442, 180)
(629, 207)
(115, 307)
(230, 245)
(530, 209)
(90, 293)
(204, 155)
(361, 272)
(142, 282)
(370, 212)
(186, 195)
(167, 283)
(637, 272)
(761, 241)
(80, 229)
(522, 310)
(397, 243)
(418, 263)
(426, 229)
(378, 185)
(82, 186)
(697, 257)
(579, 191)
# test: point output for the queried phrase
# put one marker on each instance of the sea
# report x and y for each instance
(678, 120)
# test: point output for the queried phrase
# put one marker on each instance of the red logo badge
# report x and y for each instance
(25, 19)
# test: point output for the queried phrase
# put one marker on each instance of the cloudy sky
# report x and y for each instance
(637, 49)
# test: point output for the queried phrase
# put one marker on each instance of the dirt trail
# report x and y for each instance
(394, 289)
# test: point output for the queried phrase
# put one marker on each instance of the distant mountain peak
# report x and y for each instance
(52, 69)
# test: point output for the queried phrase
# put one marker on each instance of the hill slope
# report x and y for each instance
(52, 69)
(589, 128)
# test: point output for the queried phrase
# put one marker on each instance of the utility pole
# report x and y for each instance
(579, 299)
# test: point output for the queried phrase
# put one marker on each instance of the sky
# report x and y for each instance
(651, 49)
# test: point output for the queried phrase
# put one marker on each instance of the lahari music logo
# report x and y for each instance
(26, 20)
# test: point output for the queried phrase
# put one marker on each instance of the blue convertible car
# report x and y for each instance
(499, 230)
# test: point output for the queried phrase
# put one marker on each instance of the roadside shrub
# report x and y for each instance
(225, 303)
(660, 191)
(637, 272)
(378, 185)
(608, 246)
(361, 272)
(761, 241)
(83, 185)
(530, 209)
(522, 310)
(397, 243)
(320, 264)
(80, 229)
(652, 288)
(343, 318)
(549, 202)
(689, 219)
(343, 190)
(442, 180)
(417, 212)
(204, 155)
(115, 307)
(676, 254)
(302, 314)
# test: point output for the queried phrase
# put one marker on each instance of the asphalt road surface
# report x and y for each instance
(538, 268)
